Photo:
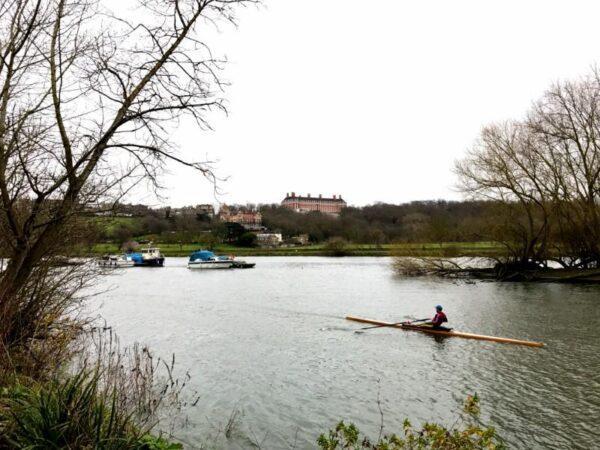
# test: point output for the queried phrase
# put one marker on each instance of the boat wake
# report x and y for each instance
(302, 313)
(336, 329)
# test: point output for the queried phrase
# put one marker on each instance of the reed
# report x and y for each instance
(70, 413)
(107, 398)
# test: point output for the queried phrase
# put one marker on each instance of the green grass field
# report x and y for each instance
(110, 223)
(447, 249)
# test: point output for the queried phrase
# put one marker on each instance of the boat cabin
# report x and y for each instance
(151, 252)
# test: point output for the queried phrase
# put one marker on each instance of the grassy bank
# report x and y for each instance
(409, 249)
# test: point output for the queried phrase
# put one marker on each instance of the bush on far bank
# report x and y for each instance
(247, 239)
(337, 246)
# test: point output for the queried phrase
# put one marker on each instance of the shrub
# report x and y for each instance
(246, 240)
(337, 246)
(70, 413)
(468, 435)
(106, 397)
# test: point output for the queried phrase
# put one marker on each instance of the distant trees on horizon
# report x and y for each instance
(380, 223)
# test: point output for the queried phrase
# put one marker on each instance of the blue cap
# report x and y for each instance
(439, 307)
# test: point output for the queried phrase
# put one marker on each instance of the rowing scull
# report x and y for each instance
(451, 333)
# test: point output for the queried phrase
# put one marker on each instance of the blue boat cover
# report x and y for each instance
(202, 255)
(136, 258)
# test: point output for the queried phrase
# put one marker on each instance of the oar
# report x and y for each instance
(391, 325)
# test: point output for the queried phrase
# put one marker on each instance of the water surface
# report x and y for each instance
(271, 343)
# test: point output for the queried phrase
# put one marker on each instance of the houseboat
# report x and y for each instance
(148, 257)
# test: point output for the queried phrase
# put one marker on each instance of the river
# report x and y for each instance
(271, 343)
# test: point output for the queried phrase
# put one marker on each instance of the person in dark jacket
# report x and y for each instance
(440, 317)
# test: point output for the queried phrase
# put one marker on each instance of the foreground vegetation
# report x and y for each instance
(79, 411)
(86, 99)
(466, 434)
(71, 412)
(101, 396)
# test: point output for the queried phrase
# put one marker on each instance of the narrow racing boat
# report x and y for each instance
(449, 333)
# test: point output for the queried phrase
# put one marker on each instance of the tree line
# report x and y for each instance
(380, 223)
(383, 223)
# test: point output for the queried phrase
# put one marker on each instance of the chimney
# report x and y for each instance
(334, 196)
(287, 194)
(293, 194)
(320, 195)
(308, 195)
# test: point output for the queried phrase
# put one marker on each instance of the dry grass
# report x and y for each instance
(42, 320)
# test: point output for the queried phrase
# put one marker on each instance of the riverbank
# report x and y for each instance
(548, 275)
(445, 249)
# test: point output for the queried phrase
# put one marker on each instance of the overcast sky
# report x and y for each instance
(375, 100)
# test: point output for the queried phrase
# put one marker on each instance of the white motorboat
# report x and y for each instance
(116, 261)
(204, 259)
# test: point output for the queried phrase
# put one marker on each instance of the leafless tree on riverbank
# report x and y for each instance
(566, 126)
(545, 172)
(87, 101)
(502, 167)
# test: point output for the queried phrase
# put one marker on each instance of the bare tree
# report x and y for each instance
(503, 167)
(545, 171)
(566, 125)
(87, 104)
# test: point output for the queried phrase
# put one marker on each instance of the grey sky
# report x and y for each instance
(375, 100)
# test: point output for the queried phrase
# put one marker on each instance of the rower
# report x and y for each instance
(439, 318)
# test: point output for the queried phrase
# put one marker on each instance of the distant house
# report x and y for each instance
(251, 220)
(119, 210)
(325, 205)
(206, 209)
(269, 239)
(126, 210)
(301, 239)
(198, 211)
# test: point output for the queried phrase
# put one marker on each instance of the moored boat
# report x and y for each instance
(116, 261)
(148, 257)
(447, 332)
(205, 259)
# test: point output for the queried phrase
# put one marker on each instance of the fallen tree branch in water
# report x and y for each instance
(491, 269)
(440, 266)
